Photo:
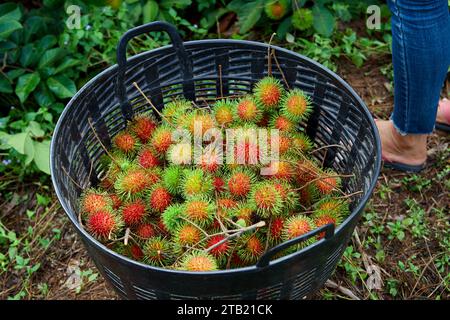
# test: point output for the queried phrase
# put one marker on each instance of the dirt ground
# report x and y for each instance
(66, 271)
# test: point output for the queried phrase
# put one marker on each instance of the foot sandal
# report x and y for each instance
(446, 113)
(402, 166)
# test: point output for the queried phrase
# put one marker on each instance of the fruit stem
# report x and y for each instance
(325, 177)
(279, 68)
(329, 146)
(269, 60)
(101, 143)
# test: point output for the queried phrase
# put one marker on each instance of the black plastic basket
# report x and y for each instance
(202, 70)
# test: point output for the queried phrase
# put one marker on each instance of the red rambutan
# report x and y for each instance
(268, 93)
(247, 110)
(219, 184)
(240, 182)
(134, 212)
(103, 224)
(296, 226)
(132, 182)
(92, 201)
(143, 127)
(125, 142)
(159, 198)
(266, 199)
(250, 248)
(219, 251)
(146, 231)
(161, 139)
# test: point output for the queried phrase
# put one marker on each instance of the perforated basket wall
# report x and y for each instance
(340, 117)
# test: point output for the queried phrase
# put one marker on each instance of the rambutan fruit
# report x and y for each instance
(223, 111)
(199, 210)
(180, 153)
(268, 93)
(92, 201)
(301, 143)
(302, 19)
(322, 218)
(330, 210)
(210, 161)
(296, 226)
(219, 184)
(159, 198)
(276, 230)
(224, 205)
(287, 194)
(171, 178)
(116, 201)
(200, 122)
(199, 261)
(120, 164)
(282, 123)
(327, 182)
(276, 9)
(153, 175)
(158, 252)
(133, 212)
(174, 110)
(221, 251)
(132, 182)
(187, 235)
(240, 182)
(250, 248)
(146, 231)
(296, 105)
(283, 142)
(281, 170)
(243, 211)
(143, 126)
(196, 183)
(308, 194)
(265, 199)
(247, 110)
(126, 142)
(136, 252)
(147, 158)
(161, 139)
(103, 224)
(172, 217)
(307, 170)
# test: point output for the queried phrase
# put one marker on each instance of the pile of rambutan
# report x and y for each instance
(162, 203)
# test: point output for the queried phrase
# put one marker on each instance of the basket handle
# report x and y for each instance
(266, 257)
(177, 43)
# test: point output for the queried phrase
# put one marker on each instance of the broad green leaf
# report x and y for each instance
(62, 86)
(323, 20)
(68, 63)
(178, 4)
(8, 26)
(283, 28)
(251, 12)
(27, 55)
(15, 73)
(29, 149)
(26, 84)
(43, 96)
(50, 57)
(17, 141)
(150, 11)
(5, 84)
(42, 155)
(6, 46)
(33, 25)
(10, 11)
(35, 129)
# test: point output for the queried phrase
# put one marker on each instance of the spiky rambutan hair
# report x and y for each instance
(301, 143)
(250, 247)
(266, 199)
(276, 9)
(93, 200)
(338, 208)
(159, 252)
(159, 198)
(307, 170)
(198, 122)
(288, 195)
(147, 158)
(175, 110)
(126, 142)
(161, 139)
(198, 261)
(244, 211)
(199, 210)
(268, 93)
(223, 111)
(247, 110)
(275, 231)
(296, 105)
(172, 217)
(196, 182)
(145, 231)
(283, 169)
(240, 182)
(296, 226)
(132, 182)
(180, 153)
(104, 224)
(219, 251)
(133, 212)
(121, 163)
(143, 125)
(187, 235)
(171, 179)
(282, 123)
(327, 182)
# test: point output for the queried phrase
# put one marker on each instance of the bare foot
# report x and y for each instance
(443, 112)
(410, 149)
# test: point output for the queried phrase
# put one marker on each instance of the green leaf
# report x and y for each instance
(50, 57)
(15, 73)
(42, 155)
(249, 15)
(178, 4)
(7, 46)
(62, 86)
(27, 55)
(43, 96)
(68, 63)
(33, 25)
(284, 27)
(26, 84)
(5, 84)
(17, 141)
(8, 26)
(323, 20)
(10, 11)
(150, 11)
(35, 129)
(46, 42)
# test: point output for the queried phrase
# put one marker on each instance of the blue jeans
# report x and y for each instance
(421, 57)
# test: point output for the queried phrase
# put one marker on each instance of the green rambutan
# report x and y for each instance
(171, 178)
(244, 211)
(159, 252)
(250, 248)
(199, 210)
(265, 199)
(120, 164)
(161, 139)
(146, 231)
(327, 182)
(196, 183)
(147, 158)
(159, 198)
(198, 262)
(296, 226)
(302, 19)
(296, 105)
(180, 153)
(301, 143)
(276, 9)
(172, 217)
(174, 110)
(268, 93)
(282, 123)
(132, 182)
(247, 110)
(143, 126)
(126, 142)
(103, 224)
(133, 212)
(223, 111)
(92, 201)
(240, 182)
